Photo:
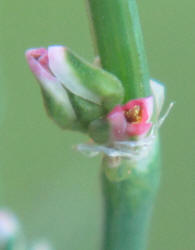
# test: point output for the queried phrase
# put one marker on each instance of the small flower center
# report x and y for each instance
(134, 114)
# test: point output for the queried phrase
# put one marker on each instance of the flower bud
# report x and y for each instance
(83, 79)
(75, 93)
(55, 97)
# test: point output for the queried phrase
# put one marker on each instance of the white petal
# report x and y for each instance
(158, 91)
(149, 101)
(61, 68)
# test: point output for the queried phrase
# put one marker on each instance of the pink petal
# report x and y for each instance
(38, 62)
(146, 105)
(138, 129)
(44, 61)
(149, 105)
(118, 123)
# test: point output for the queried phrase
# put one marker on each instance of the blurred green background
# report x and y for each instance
(54, 190)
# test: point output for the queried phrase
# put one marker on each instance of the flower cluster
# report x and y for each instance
(86, 98)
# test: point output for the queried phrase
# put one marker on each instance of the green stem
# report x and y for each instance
(129, 188)
(119, 42)
(129, 191)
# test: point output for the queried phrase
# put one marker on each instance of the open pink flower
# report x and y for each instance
(131, 119)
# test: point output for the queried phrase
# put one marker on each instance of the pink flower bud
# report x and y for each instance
(75, 93)
(55, 97)
(131, 119)
(38, 62)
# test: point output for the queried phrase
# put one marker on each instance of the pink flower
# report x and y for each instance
(55, 96)
(131, 119)
(39, 64)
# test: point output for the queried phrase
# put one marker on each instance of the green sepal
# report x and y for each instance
(85, 80)
(85, 111)
(59, 109)
(103, 84)
(99, 131)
